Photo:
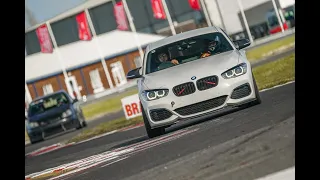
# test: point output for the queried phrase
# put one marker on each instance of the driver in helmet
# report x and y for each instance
(165, 61)
(212, 48)
(163, 57)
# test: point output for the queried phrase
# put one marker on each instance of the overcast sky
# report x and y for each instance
(46, 9)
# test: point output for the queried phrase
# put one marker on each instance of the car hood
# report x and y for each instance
(170, 77)
(51, 113)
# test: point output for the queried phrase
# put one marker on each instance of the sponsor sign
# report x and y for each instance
(131, 106)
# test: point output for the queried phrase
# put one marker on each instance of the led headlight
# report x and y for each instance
(33, 124)
(67, 113)
(235, 71)
(150, 95)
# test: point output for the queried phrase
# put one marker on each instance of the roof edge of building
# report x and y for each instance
(32, 80)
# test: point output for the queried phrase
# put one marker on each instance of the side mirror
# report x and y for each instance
(75, 100)
(133, 74)
(241, 43)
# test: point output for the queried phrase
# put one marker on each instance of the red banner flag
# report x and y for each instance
(83, 27)
(157, 8)
(44, 39)
(195, 4)
(120, 15)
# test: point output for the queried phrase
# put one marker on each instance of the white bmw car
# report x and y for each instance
(191, 74)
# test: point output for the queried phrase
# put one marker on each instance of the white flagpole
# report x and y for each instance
(205, 11)
(245, 21)
(56, 49)
(278, 16)
(166, 10)
(133, 28)
(220, 15)
(95, 39)
(29, 98)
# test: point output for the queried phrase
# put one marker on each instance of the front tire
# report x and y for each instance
(81, 122)
(151, 132)
(84, 123)
(32, 141)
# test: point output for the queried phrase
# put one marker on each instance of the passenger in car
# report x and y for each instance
(163, 58)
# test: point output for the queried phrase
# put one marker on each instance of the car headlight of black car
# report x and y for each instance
(236, 71)
(33, 124)
(150, 95)
(67, 113)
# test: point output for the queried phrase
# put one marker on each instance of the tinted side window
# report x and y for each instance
(226, 34)
(228, 37)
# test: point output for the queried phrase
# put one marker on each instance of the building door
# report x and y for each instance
(118, 74)
(96, 82)
(138, 61)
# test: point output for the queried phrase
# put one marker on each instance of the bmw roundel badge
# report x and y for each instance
(193, 78)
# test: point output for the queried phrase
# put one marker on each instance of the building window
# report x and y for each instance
(138, 61)
(96, 82)
(47, 89)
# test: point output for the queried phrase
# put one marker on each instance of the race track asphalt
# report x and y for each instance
(245, 144)
(64, 136)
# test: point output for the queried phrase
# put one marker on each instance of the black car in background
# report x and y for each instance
(52, 114)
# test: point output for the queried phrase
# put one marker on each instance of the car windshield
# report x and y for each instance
(49, 102)
(186, 50)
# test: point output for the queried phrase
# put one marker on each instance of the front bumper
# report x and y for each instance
(64, 124)
(224, 90)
